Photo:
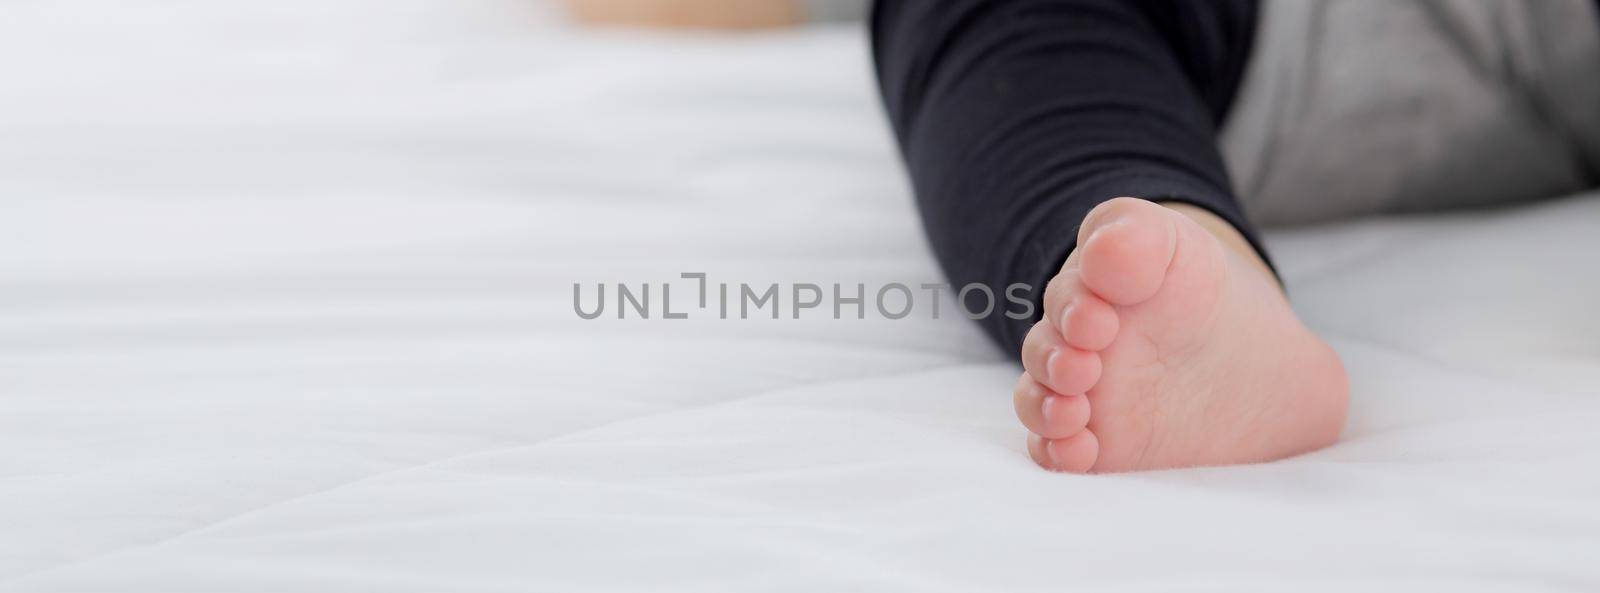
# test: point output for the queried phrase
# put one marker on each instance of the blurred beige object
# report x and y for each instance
(690, 14)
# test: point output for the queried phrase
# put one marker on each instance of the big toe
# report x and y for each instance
(1125, 246)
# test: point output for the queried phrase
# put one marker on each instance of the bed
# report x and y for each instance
(286, 303)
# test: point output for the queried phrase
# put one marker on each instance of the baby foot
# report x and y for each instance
(1162, 348)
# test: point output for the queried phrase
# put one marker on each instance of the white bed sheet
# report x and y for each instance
(285, 304)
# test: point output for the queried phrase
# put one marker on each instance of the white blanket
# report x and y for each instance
(286, 305)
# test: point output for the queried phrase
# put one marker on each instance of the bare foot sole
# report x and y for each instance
(1162, 348)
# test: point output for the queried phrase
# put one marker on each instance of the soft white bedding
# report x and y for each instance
(286, 304)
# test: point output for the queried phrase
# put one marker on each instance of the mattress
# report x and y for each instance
(287, 303)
